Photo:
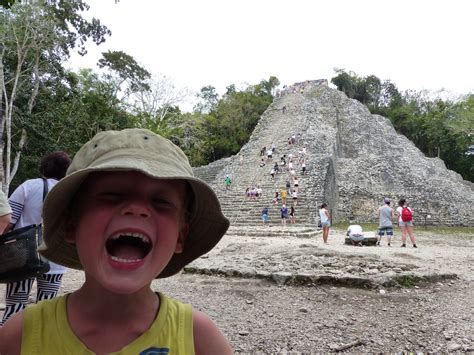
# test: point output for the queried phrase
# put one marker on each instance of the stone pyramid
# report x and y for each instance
(354, 159)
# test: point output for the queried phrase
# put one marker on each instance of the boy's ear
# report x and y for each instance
(183, 234)
(70, 236)
(70, 229)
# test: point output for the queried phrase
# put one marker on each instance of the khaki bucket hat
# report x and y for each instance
(137, 150)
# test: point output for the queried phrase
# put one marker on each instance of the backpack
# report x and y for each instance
(407, 216)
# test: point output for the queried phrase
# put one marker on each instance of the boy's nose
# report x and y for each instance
(137, 208)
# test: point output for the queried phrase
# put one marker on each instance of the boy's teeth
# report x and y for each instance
(135, 235)
(121, 260)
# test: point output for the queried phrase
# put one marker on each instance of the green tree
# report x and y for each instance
(35, 40)
(129, 76)
(71, 111)
(208, 99)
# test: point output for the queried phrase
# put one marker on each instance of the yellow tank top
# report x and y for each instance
(46, 330)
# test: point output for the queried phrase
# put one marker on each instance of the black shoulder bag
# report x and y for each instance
(19, 257)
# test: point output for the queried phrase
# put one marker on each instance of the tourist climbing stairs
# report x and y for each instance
(283, 119)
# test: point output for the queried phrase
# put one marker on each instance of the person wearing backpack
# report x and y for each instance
(405, 221)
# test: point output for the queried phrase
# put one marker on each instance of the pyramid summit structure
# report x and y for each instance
(353, 158)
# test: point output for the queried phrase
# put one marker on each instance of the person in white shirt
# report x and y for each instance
(325, 219)
(26, 203)
(355, 233)
(405, 226)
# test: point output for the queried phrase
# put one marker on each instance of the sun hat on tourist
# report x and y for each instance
(386, 200)
(132, 150)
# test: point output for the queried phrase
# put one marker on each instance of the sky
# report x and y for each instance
(417, 44)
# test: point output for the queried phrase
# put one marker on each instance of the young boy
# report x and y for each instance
(129, 210)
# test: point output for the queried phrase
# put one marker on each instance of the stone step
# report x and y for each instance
(274, 230)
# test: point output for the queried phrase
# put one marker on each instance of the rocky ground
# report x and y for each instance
(292, 295)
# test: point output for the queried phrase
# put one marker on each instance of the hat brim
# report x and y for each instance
(207, 224)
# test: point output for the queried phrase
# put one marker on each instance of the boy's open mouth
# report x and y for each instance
(128, 247)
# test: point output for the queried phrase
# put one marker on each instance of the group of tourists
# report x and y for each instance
(286, 164)
(386, 215)
(404, 219)
(253, 192)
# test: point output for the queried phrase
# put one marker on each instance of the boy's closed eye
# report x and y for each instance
(113, 196)
(160, 202)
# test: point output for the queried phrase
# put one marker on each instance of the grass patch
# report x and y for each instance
(406, 281)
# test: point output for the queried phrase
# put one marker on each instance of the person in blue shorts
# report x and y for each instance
(265, 215)
(284, 214)
(385, 214)
(325, 219)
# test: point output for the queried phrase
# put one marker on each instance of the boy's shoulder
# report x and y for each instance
(11, 334)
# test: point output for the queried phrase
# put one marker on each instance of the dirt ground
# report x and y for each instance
(263, 316)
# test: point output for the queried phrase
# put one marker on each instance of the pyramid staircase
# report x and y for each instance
(275, 126)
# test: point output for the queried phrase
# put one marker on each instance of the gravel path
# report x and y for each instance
(262, 316)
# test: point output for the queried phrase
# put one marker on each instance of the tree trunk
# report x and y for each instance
(34, 94)
(2, 117)
(16, 161)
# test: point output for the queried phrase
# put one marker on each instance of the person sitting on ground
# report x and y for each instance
(275, 198)
(258, 191)
(253, 193)
(265, 215)
(128, 211)
(262, 163)
(283, 160)
(385, 214)
(355, 233)
(269, 154)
